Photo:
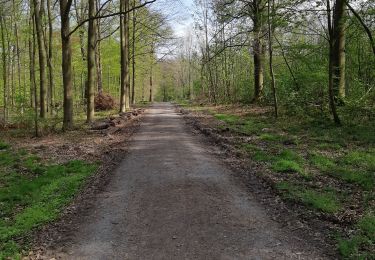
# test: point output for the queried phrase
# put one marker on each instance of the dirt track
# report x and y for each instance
(171, 199)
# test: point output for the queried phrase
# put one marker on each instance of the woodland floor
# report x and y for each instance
(165, 191)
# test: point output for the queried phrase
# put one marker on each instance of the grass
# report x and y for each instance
(3, 146)
(362, 243)
(287, 166)
(271, 137)
(229, 119)
(337, 162)
(325, 201)
(32, 194)
(355, 167)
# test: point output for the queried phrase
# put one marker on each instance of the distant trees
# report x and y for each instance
(306, 44)
(84, 26)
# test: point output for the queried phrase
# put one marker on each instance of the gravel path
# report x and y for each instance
(171, 199)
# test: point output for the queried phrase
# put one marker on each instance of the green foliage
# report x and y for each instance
(34, 196)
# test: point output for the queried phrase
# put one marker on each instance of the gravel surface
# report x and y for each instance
(170, 198)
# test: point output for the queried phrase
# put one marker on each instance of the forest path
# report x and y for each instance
(171, 199)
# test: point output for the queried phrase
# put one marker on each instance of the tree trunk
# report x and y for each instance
(91, 42)
(38, 14)
(66, 50)
(339, 50)
(133, 56)
(123, 59)
(5, 76)
(270, 50)
(80, 14)
(127, 75)
(50, 57)
(98, 55)
(32, 59)
(17, 53)
(258, 59)
(151, 98)
(330, 67)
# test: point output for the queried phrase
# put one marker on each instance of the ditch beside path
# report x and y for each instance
(171, 199)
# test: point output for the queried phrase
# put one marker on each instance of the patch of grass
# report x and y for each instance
(262, 156)
(328, 146)
(251, 126)
(227, 118)
(271, 137)
(257, 154)
(364, 179)
(355, 167)
(28, 200)
(291, 155)
(321, 162)
(3, 145)
(325, 201)
(361, 244)
(287, 166)
(365, 160)
(367, 226)
(288, 161)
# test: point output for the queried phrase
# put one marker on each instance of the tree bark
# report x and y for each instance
(330, 67)
(270, 51)
(50, 57)
(66, 65)
(98, 55)
(91, 42)
(339, 50)
(80, 13)
(31, 39)
(5, 75)
(123, 59)
(38, 14)
(133, 55)
(258, 57)
(127, 60)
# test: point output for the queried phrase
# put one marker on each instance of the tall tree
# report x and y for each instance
(257, 15)
(338, 38)
(91, 43)
(39, 16)
(50, 57)
(331, 42)
(270, 52)
(66, 50)
(133, 53)
(124, 39)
